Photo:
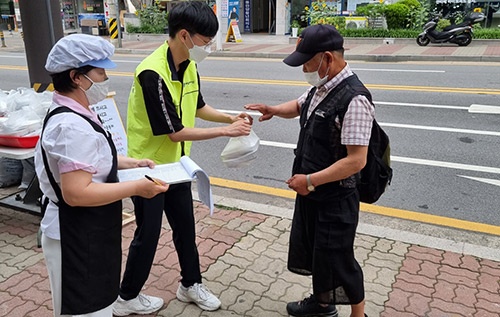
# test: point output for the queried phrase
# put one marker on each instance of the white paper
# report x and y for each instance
(112, 122)
(185, 170)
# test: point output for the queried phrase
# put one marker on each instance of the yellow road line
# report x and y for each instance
(122, 74)
(457, 90)
(252, 187)
(8, 67)
(370, 86)
(374, 209)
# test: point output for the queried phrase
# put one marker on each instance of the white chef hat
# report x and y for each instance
(77, 50)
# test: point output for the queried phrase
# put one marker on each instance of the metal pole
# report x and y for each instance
(218, 6)
(118, 23)
(487, 13)
(42, 28)
(50, 21)
(269, 17)
(2, 38)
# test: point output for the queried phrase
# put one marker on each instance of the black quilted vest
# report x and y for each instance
(319, 140)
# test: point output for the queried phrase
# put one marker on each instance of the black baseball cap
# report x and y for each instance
(314, 39)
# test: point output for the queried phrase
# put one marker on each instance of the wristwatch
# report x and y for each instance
(310, 186)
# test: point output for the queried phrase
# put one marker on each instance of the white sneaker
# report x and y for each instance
(141, 305)
(200, 295)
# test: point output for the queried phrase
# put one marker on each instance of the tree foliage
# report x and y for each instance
(152, 20)
(396, 15)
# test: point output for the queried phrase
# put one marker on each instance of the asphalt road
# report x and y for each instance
(445, 158)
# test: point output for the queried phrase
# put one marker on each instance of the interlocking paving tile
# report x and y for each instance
(243, 257)
(441, 283)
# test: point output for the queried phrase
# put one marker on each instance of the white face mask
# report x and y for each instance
(97, 92)
(314, 79)
(198, 53)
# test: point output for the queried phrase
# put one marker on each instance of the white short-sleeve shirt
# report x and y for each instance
(71, 144)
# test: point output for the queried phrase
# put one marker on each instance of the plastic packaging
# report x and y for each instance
(239, 151)
(22, 111)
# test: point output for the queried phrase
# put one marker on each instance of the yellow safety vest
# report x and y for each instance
(141, 141)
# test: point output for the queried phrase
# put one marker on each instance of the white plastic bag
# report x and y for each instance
(239, 151)
(22, 111)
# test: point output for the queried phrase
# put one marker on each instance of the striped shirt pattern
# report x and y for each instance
(358, 120)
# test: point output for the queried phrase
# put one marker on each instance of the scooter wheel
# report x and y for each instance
(423, 40)
(464, 39)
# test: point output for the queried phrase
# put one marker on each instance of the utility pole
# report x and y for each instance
(42, 28)
(112, 11)
(218, 12)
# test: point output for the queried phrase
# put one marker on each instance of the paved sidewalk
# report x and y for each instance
(278, 46)
(243, 256)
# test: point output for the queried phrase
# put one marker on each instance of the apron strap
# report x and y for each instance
(94, 125)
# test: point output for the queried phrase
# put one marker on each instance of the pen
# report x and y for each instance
(153, 180)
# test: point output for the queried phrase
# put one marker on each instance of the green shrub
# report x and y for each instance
(442, 23)
(133, 28)
(380, 33)
(371, 10)
(322, 13)
(418, 16)
(412, 4)
(153, 20)
(480, 33)
(396, 15)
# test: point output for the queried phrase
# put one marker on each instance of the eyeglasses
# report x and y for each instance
(205, 43)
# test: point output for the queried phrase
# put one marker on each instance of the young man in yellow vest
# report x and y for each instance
(164, 101)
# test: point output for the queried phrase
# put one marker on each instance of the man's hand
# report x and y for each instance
(262, 108)
(298, 183)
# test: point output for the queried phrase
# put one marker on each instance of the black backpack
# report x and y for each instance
(377, 173)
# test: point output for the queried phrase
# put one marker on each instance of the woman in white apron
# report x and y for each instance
(76, 164)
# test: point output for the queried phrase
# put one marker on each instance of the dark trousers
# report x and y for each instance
(177, 203)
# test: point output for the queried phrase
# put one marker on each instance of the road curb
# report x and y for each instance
(421, 58)
(349, 57)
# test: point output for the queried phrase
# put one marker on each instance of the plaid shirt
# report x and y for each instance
(358, 120)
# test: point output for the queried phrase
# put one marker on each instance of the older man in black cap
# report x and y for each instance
(336, 117)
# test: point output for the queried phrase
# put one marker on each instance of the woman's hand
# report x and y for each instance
(125, 162)
(148, 189)
(145, 162)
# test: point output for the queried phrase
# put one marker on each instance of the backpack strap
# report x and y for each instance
(342, 105)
